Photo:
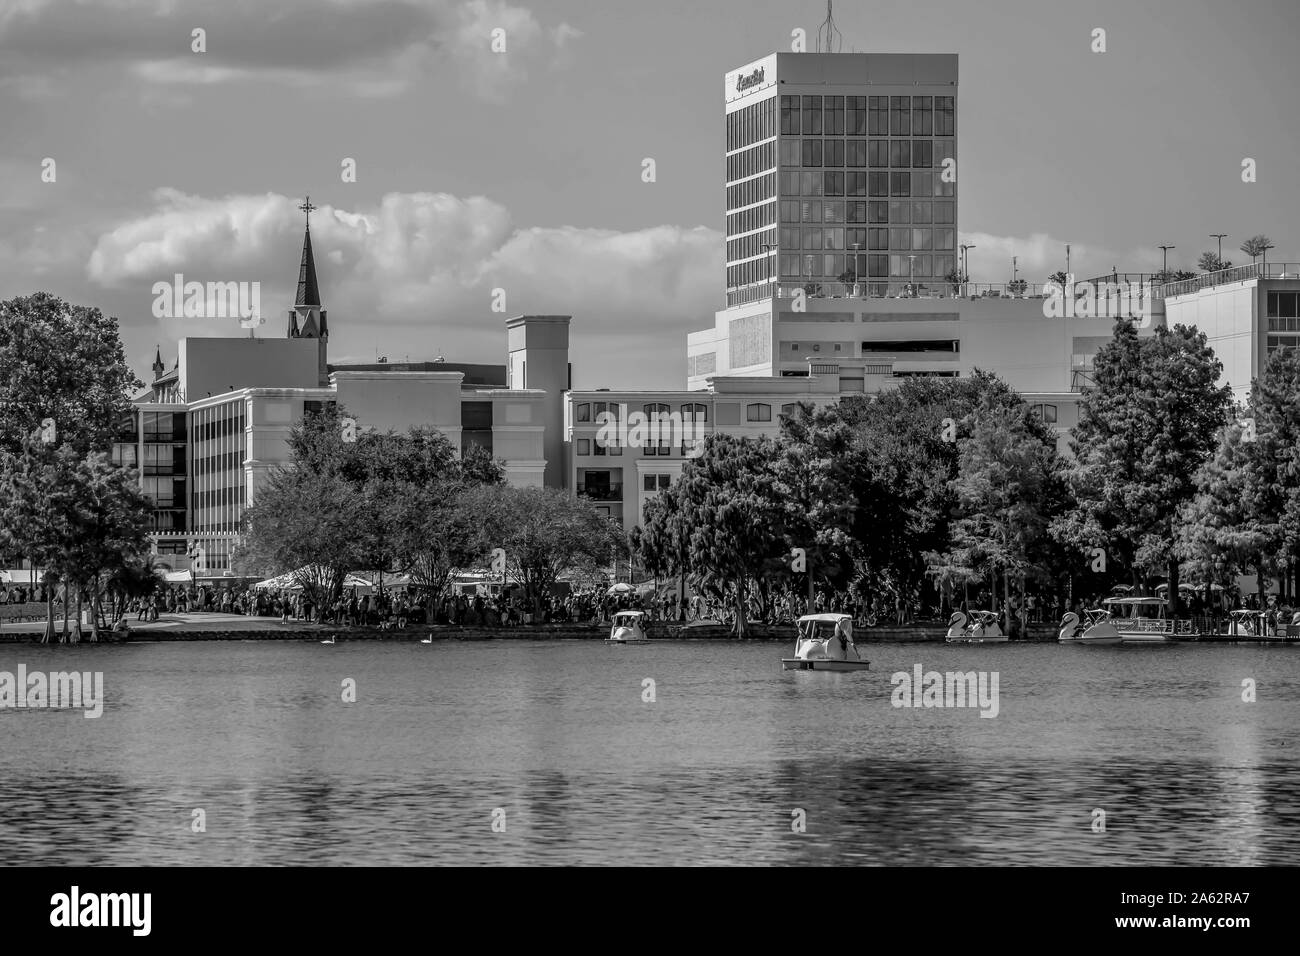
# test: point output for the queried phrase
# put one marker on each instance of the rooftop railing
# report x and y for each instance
(1256, 270)
(832, 289)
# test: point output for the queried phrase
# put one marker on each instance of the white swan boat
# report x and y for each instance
(628, 628)
(825, 643)
(982, 629)
(1096, 628)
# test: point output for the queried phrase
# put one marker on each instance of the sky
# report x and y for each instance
(521, 170)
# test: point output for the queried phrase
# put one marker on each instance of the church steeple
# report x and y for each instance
(308, 290)
(158, 366)
(307, 318)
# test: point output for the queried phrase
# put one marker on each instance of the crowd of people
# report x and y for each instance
(595, 604)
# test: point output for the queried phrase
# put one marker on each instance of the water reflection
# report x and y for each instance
(558, 737)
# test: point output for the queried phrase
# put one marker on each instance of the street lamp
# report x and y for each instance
(1165, 271)
(1067, 263)
(1220, 236)
(1263, 250)
(911, 276)
(857, 288)
(965, 263)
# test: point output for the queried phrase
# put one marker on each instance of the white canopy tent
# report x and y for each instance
(290, 581)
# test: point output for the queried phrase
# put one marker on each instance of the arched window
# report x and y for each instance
(758, 412)
(582, 413)
(695, 412)
(790, 408)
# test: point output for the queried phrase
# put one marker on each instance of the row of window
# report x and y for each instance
(876, 266)
(229, 461)
(209, 428)
(165, 492)
(760, 158)
(751, 124)
(164, 426)
(1044, 411)
(749, 246)
(219, 498)
(814, 184)
(869, 115)
(918, 153)
(876, 238)
(748, 273)
(750, 219)
(591, 412)
(863, 184)
(1283, 305)
(751, 191)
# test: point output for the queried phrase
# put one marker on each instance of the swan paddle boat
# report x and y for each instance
(628, 628)
(982, 629)
(825, 643)
(1095, 628)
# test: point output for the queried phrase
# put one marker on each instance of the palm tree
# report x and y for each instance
(1256, 246)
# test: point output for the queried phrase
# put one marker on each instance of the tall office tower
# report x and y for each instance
(834, 172)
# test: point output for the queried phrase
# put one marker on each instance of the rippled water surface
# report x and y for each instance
(557, 735)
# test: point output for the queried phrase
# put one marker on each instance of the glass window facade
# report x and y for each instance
(878, 158)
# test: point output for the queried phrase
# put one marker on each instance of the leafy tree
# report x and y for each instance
(1144, 431)
(80, 516)
(1210, 262)
(1008, 478)
(384, 502)
(62, 362)
(544, 533)
(1219, 532)
(732, 513)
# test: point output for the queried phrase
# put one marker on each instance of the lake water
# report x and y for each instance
(557, 736)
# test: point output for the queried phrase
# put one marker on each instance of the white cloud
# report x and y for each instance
(416, 272)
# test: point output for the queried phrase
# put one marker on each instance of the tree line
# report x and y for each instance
(944, 482)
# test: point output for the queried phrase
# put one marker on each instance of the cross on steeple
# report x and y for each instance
(307, 207)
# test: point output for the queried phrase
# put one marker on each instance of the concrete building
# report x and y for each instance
(207, 433)
(621, 475)
(1246, 313)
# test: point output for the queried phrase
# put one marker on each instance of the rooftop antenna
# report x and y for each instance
(828, 35)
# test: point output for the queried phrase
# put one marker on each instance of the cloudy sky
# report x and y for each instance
(522, 171)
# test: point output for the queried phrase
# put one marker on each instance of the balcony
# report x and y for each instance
(610, 492)
(1258, 270)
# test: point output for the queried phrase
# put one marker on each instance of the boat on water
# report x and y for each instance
(825, 643)
(628, 628)
(981, 628)
(1145, 620)
(1095, 628)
